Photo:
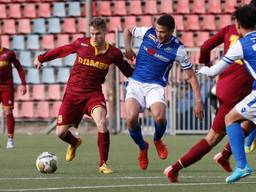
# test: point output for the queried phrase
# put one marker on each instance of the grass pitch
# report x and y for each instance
(18, 171)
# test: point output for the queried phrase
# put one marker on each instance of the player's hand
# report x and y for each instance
(199, 110)
(23, 89)
(130, 54)
(204, 70)
(37, 63)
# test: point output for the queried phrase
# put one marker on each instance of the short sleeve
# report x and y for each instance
(182, 58)
(139, 32)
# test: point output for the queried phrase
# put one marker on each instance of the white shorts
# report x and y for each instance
(145, 93)
(247, 107)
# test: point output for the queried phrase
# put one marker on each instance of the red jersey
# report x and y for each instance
(7, 58)
(235, 81)
(90, 67)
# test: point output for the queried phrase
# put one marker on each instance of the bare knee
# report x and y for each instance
(160, 120)
(213, 138)
(102, 125)
(132, 120)
(61, 131)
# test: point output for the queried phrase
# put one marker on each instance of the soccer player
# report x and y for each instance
(84, 92)
(7, 58)
(157, 53)
(232, 86)
(250, 143)
(244, 48)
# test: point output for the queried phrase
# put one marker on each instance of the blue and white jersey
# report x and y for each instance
(155, 60)
(244, 48)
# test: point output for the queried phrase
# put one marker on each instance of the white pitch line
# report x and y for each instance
(120, 186)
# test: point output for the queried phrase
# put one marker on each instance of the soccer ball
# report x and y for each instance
(47, 162)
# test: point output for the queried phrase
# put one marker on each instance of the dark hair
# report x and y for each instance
(98, 22)
(253, 2)
(167, 21)
(246, 16)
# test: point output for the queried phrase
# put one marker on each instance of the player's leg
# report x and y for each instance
(243, 110)
(250, 143)
(8, 102)
(158, 113)
(134, 103)
(70, 115)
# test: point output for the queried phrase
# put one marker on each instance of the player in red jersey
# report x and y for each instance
(84, 92)
(7, 58)
(232, 86)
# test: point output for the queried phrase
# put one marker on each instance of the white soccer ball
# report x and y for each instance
(47, 162)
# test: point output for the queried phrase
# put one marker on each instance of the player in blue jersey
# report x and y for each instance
(157, 53)
(244, 48)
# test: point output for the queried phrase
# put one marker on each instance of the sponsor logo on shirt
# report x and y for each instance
(3, 63)
(152, 37)
(168, 49)
(155, 54)
(93, 63)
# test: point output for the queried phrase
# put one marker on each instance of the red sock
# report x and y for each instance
(69, 138)
(103, 146)
(226, 152)
(193, 155)
(10, 125)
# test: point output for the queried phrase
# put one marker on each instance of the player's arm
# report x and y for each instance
(210, 44)
(235, 52)
(123, 65)
(58, 52)
(183, 59)
(137, 32)
(21, 72)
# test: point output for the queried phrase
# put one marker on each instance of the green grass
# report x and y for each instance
(18, 172)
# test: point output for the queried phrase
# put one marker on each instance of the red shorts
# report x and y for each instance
(74, 107)
(7, 97)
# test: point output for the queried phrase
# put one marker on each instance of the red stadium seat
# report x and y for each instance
(27, 109)
(5, 39)
(24, 26)
(202, 36)
(47, 41)
(62, 39)
(120, 8)
(75, 36)
(130, 21)
(42, 109)
(82, 22)
(183, 6)
(110, 37)
(38, 92)
(225, 20)
(14, 10)
(214, 6)
(151, 7)
(209, 22)
(146, 20)
(166, 6)
(115, 23)
(44, 10)
(193, 22)
(229, 6)
(9, 26)
(29, 10)
(179, 22)
(199, 6)
(20, 97)
(188, 39)
(69, 25)
(54, 92)
(104, 8)
(54, 109)
(94, 9)
(135, 7)
(3, 11)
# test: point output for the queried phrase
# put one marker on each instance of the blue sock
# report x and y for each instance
(159, 131)
(236, 139)
(136, 135)
(250, 138)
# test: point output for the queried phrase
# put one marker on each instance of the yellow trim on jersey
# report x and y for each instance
(98, 52)
(233, 39)
(1, 49)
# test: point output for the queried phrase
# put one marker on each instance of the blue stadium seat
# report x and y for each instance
(48, 75)
(25, 58)
(38, 26)
(55, 63)
(18, 42)
(33, 76)
(16, 77)
(69, 60)
(33, 42)
(121, 40)
(54, 25)
(59, 9)
(74, 9)
(63, 74)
